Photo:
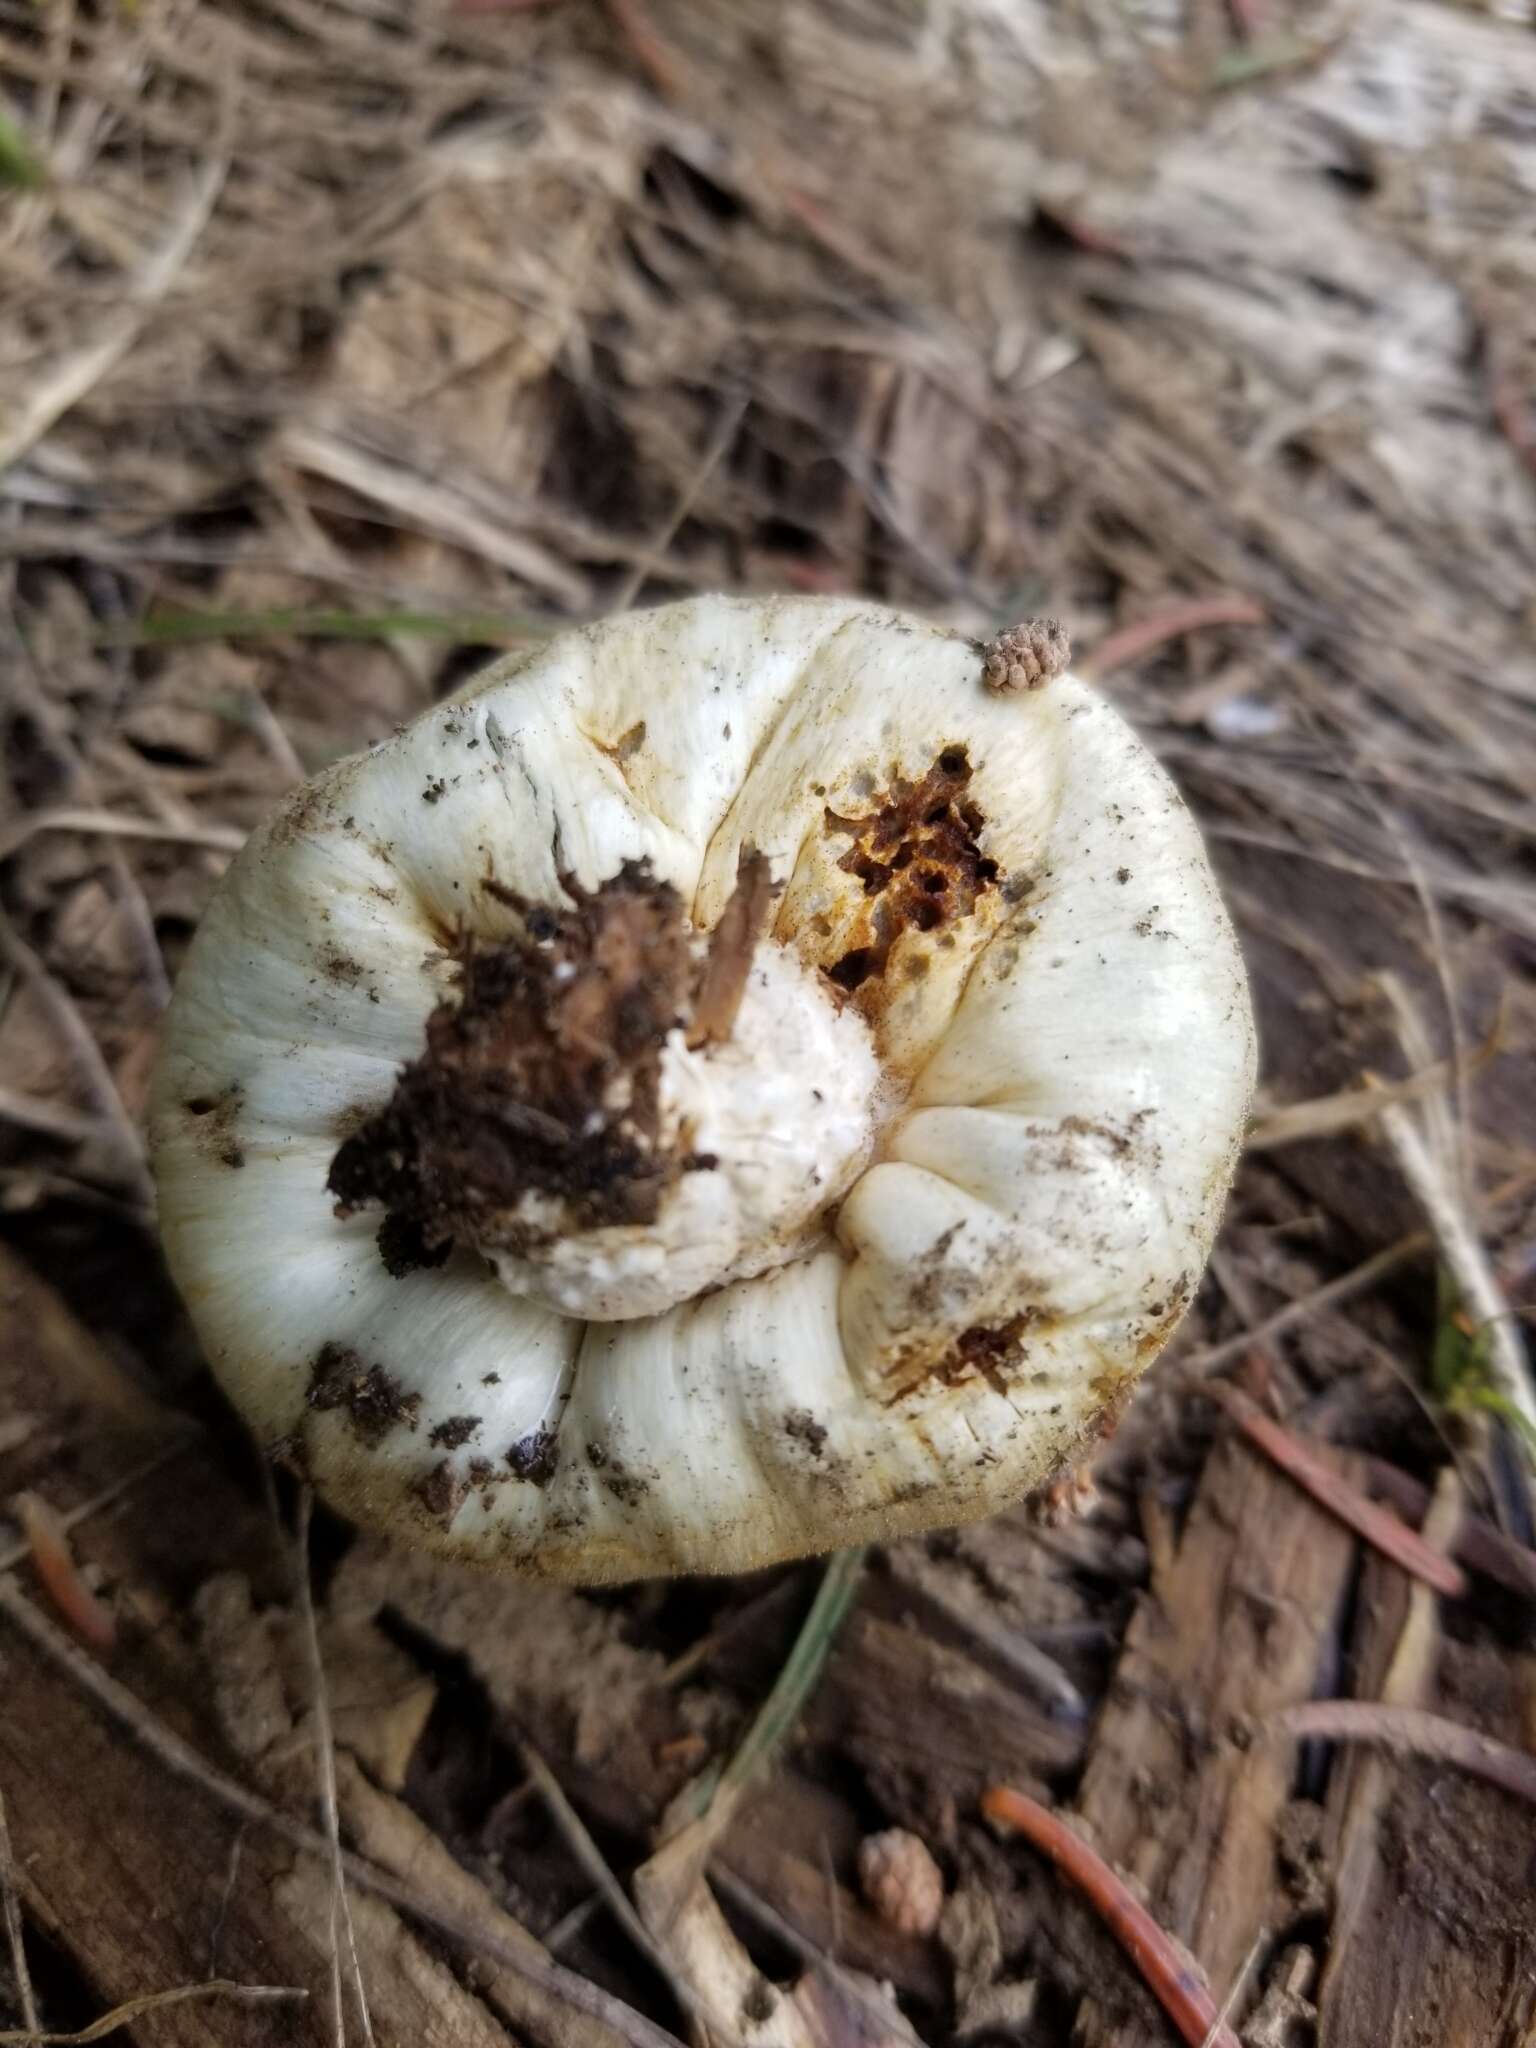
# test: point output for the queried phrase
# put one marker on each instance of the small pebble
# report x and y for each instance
(901, 1881)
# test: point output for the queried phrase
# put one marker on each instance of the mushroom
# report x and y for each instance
(740, 1079)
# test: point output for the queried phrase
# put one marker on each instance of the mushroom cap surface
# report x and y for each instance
(1002, 899)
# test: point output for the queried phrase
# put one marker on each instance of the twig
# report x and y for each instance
(594, 1863)
(15, 1934)
(325, 1765)
(59, 1576)
(154, 2001)
(889, 2015)
(71, 379)
(1130, 643)
(1387, 1532)
(1359, 1280)
(178, 1756)
(1410, 1731)
(116, 825)
(1169, 1978)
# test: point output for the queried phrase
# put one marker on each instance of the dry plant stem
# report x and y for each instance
(592, 1861)
(15, 1934)
(180, 1758)
(1359, 1280)
(1185, 2000)
(155, 2001)
(325, 1766)
(1378, 1525)
(1471, 1269)
(71, 379)
(93, 1068)
(1131, 643)
(1327, 1115)
(117, 825)
(889, 2016)
(1409, 1731)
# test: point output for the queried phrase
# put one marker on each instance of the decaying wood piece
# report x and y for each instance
(1174, 1796)
(1433, 1935)
(136, 1877)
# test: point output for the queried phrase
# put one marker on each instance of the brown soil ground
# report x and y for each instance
(348, 340)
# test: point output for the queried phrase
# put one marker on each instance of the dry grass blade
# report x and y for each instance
(593, 1862)
(15, 1934)
(1169, 1978)
(341, 1927)
(116, 825)
(1360, 1279)
(154, 2001)
(179, 1757)
(1326, 1116)
(69, 381)
(1409, 1731)
(50, 1119)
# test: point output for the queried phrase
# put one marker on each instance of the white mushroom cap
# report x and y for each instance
(920, 1216)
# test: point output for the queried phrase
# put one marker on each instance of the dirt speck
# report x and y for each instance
(213, 1120)
(371, 1397)
(340, 967)
(534, 1458)
(442, 1491)
(802, 1425)
(457, 1430)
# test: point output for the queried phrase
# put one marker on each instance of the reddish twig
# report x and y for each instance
(1409, 1731)
(59, 1575)
(1387, 1532)
(658, 63)
(1130, 643)
(1168, 1976)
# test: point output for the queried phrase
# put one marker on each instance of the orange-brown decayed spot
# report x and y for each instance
(918, 857)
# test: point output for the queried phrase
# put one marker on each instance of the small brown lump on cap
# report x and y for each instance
(1026, 657)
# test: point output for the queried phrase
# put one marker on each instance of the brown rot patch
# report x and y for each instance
(918, 857)
(374, 1401)
(535, 1106)
(988, 1352)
